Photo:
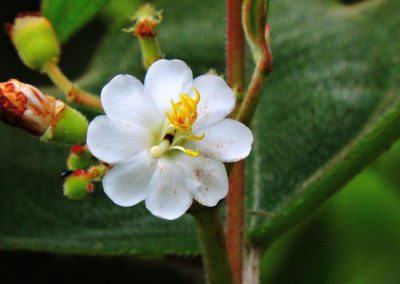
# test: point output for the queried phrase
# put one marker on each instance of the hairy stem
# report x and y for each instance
(150, 50)
(257, 33)
(73, 93)
(235, 51)
(212, 241)
(364, 149)
(253, 94)
(235, 220)
(235, 66)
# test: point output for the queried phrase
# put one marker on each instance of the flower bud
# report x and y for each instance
(25, 106)
(80, 158)
(68, 126)
(78, 185)
(145, 22)
(35, 40)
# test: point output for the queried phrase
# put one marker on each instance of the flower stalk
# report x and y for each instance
(253, 14)
(257, 33)
(73, 93)
(235, 220)
(212, 240)
(235, 66)
(235, 47)
(253, 94)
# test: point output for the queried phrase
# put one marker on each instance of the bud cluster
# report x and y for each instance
(83, 170)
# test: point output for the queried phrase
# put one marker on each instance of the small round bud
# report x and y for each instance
(69, 126)
(24, 106)
(80, 158)
(78, 185)
(35, 40)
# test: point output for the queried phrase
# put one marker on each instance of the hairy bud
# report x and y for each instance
(35, 40)
(24, 106)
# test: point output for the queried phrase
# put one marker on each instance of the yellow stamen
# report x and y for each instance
(187, 151)
(194, 137)
(184, 113)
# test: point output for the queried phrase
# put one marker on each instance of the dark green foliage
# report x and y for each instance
(335, 72)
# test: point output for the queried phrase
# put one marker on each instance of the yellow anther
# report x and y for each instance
(194, 137)
(184, 112)
(187, 151)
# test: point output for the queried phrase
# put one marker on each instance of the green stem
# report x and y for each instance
(212, 242)
(72, 92)
(257, 35)
(364, 149)
(253, 94)
(150, 50)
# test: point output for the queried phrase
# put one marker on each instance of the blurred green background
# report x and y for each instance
(353, 238)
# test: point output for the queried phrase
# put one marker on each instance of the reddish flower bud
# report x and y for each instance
(145, 21)
(25, 106)
(78, 149)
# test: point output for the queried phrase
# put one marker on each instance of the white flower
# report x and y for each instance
(167, 139)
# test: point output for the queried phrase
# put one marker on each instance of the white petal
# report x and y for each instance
(216, 100)
(167, 196)
(126, 184)
(227, 141)
(124, 98)
(205, 178)
(115, 141)
(166, 80)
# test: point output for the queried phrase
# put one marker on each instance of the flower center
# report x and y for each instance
(178, 127)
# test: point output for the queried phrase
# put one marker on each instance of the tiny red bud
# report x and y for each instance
(90, 187)
(79, 172)
(146, 28)
(145, 21)
(78, 149)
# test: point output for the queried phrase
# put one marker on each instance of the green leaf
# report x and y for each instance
(354, 238)
(334, 74)
(324, 115)
(68, 16)
(35, 215)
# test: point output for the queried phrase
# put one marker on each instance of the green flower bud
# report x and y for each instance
(68, 126)
(35, 40)
(77, 185)
(80, 158)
